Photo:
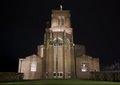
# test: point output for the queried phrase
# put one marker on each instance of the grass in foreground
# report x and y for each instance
(61, 82)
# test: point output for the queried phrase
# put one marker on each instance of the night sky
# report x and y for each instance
(95, 24)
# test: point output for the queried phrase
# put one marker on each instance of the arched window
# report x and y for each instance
(57, 42)
(60, 20)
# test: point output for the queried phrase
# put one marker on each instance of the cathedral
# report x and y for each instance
(59, 57)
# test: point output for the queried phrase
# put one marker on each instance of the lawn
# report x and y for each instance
(61, 82)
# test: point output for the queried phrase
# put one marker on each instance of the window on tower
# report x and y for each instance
(57, 42)
(60, 20)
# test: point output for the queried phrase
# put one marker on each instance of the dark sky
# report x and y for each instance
(95, 24)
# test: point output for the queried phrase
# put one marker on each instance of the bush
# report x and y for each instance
(106, 76)
(10, 76)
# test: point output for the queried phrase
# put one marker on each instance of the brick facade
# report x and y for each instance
(59, 57)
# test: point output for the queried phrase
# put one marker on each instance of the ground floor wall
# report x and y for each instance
(85, 65)
(33, 68)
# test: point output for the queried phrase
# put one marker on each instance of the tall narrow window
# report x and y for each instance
(59, 20)
(62, 21)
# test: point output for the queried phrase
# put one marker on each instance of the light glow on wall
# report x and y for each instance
(61, 29)
(83, 67)
(33, 66)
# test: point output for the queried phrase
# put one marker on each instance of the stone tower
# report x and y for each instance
(58, 47)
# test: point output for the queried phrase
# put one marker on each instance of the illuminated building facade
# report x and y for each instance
(59, 57)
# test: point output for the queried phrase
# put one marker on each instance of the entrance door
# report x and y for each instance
(58, 75)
